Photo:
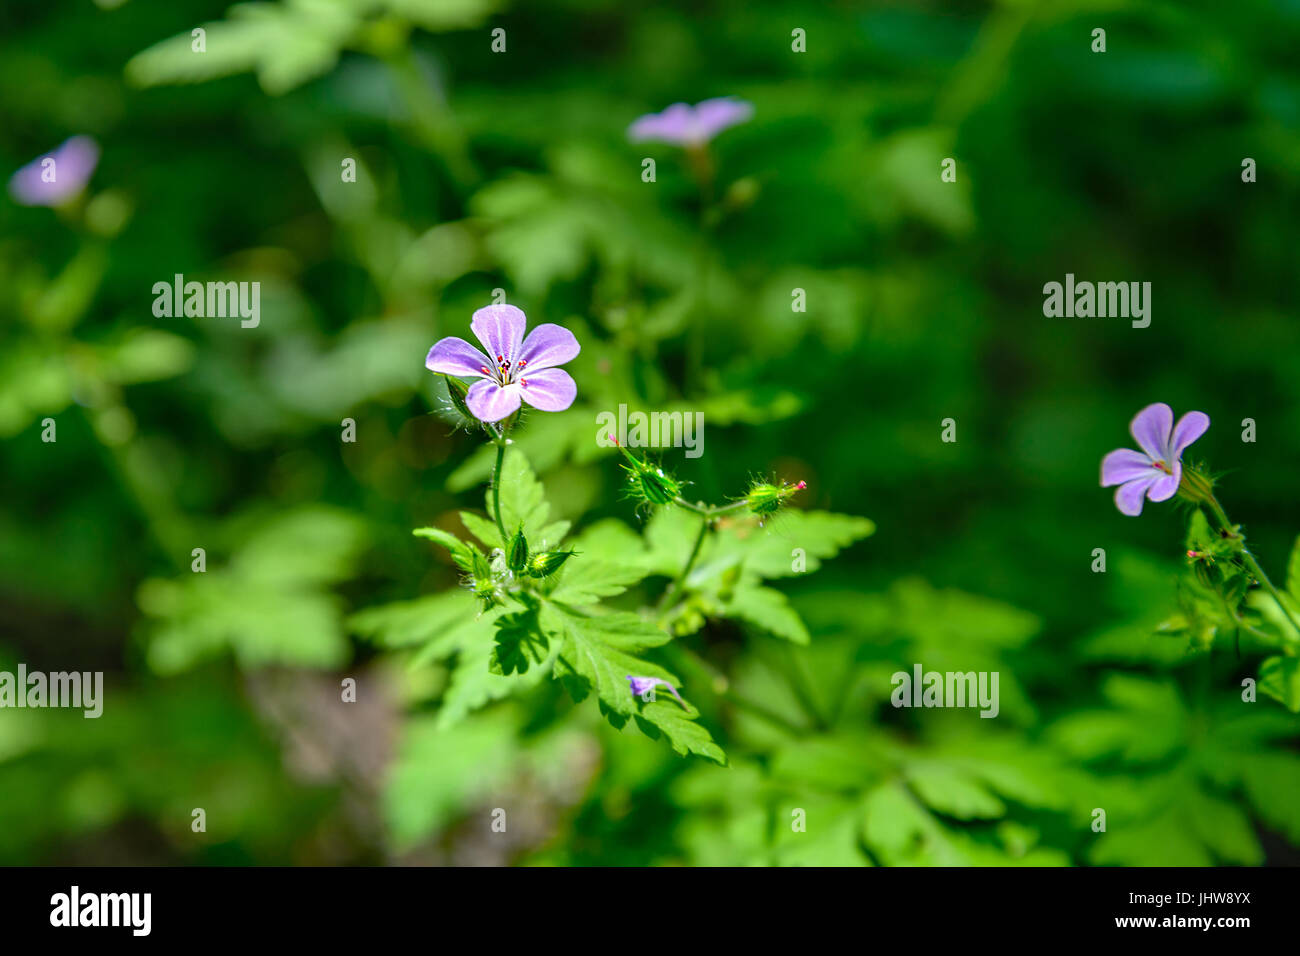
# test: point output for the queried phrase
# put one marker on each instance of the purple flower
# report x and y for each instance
(518, 368)
(1157, 469)
(642, 684)
(684, 125)
(52, 179)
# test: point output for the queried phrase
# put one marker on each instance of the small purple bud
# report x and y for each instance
(642, 685)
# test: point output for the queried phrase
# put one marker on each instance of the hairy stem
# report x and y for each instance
(496, 489)
(1221, 516)
(710, 511)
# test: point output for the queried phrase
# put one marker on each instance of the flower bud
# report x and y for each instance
(547, 563)
(649, 482)
(487, 592)
(517, 551)
(456, 391)
(1195, 485)
(766, 499)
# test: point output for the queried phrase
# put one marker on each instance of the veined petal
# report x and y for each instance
(1189, 428)
(551, 389)
(1125, 464)
(547, 346)
(491, 402)
(500, 328)
(1128, 496)
(1166, 486)
(1151, 428)
(453, 356)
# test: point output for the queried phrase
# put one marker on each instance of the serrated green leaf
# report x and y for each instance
(523, 500)
(520, 643)
(482, 528)
(795, 541)
(684, 733)
(406, 623)
(584, 582)
(770, 610)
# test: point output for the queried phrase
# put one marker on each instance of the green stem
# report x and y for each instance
(666, 601)
(496, 490)
(711, 511)
(1251, 563)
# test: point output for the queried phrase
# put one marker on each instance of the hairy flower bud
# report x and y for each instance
(547, 563)
(649, 482)
(517, 551)
(456, 391)
(765, 498)
(487, 592)
(1195, 485)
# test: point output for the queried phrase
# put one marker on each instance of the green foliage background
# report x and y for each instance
(480, 171)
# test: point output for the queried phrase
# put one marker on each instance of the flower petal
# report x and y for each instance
(547, 346)
(491, 402)
(1125, 464)
(1128, 496)
(713, 116)
(453, 356)
(500, 328)
(1189, 428)
(74, 162)
(551, 389)
(1151, 427)
(1166, 486)
(673, 125)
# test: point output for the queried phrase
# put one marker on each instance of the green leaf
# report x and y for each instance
(770, 610)
(520, 643)
(953, 793)
(461, 552)
(473, 685)
(440, 772)
(795, 541)
(425, 619)
(1279, 677)
(286, 44)
(523, 500)
(482, 528)
(586, 582)
(598, 651)
(1293, 572)
(270, 605)
(684, 734)
(597, 654)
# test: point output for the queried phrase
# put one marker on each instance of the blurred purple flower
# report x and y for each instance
(519, 368)
(684, 125)
(73, 163)
(1155, 471)
(642, 684)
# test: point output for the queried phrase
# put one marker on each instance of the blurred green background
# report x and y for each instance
(481, 170)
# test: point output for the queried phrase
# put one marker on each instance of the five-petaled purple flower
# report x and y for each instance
(684, 125)
(70, 170)
(642, 684)
(515, 367)
(1155, 471)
